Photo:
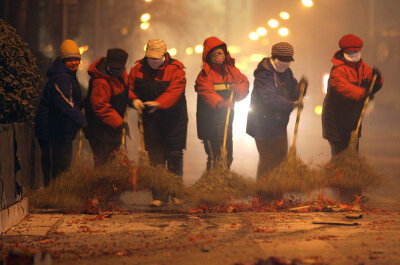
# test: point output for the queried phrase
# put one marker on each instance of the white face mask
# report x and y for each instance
(154, 63)
(280, 66)
(354, 57)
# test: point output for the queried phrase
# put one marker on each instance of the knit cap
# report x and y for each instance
(350, 42)
(116, 58)
(283, 49)
(69, 49)
(156, 48)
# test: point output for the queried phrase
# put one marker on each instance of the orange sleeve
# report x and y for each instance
(100, 101)
(175, 89)
(341, 84)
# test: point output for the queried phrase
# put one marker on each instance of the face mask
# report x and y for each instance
(354, 57)
(218, 57)
(280, 66)
(115, 72)
(154, 63)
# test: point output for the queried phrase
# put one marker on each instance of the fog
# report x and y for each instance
(314, 32)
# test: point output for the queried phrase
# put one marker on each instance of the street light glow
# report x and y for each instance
(284, 15)
(283, 31)
(198, 49)
(145, 17)
(261, 31)
(318, 110)
(145, 25)
(172, 51)
(307, 3)
(253, 36)
(189, 51)
(148, 1)
(273, 23)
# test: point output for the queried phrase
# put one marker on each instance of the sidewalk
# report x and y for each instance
(180, 238)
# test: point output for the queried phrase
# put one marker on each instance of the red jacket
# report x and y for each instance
(345, 98)
(103, 87)
(172, 72)
(212, 74)
(346, 79)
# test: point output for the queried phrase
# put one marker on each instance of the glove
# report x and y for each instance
(375, 71)
(298, 104)
(304, 81)
(225, 104)
(138, 104)
(127, 131)
(377, 86)
(153, 105)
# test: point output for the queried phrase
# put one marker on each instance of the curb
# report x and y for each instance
(13, 215)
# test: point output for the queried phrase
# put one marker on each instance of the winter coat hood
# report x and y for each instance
(98, 70)
(58, 67)
(209, 44)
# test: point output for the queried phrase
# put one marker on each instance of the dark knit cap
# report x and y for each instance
(350, 42)
(283, 50)
(116, 58)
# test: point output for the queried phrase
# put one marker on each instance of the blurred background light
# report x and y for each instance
(145, 25)
(307, 3)
(284, 15)
(283, 31)
(273, 23)
(253, 36)
(261, 31)
(198, 48)
(189, 50)
(145, 17)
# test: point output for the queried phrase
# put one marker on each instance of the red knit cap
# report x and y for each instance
(350, 42)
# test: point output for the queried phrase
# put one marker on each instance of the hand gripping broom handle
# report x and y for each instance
(365, 104)
(228, 114)
(296, 127)
(141, 131)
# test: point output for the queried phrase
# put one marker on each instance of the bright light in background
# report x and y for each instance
(283, 32)
(256, 57)
(261, 31)
(144, 48)
(242, 108)
(189, 51)
(242, 66)
(172, 51)
(83, 48)
(325, 78)
(198, 48)
(253, 36)
(307, 3)
(284, 15)
(318, 110)
(148, 1)
(145, 25)
(234, 49)
(145, 17)
(273, 23)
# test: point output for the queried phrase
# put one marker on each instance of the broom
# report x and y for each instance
(303, 86)
(224, 153)
(292, 174)
(349, 172)
(354, 134)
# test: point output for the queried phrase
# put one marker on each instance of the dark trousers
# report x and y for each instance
(271, 154)
(338, 147)
(102, 150)
(56, 158)
(213, 151)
